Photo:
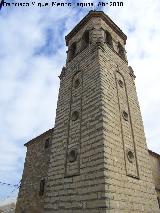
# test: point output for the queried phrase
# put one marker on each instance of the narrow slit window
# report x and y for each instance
(72, 51)
(85, 39)
(41, 187)
(121, 50)
(47, 143)
(108, 39)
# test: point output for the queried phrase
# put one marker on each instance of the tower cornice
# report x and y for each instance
(101, 15)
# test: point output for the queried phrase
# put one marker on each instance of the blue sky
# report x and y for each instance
(32, 55)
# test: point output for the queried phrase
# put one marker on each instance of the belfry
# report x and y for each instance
(99, 160)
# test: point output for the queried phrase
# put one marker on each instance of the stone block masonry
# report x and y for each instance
(32, 189)
(98, 159)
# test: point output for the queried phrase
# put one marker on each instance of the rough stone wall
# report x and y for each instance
(35, 169)
(111, 171)
(155, 164)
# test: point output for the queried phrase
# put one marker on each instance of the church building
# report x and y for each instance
(95, 159)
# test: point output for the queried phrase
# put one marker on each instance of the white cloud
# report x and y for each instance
(31, 58)
(28, 82)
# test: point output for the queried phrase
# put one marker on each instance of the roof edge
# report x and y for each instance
(154, 153)
(34, 139)
(91, 14)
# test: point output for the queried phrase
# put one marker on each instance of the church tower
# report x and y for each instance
(99, 159)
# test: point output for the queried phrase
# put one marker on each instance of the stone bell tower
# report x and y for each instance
(99, 161)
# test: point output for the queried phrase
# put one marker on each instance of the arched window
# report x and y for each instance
(72, 51)
(47, 143)
(41, 187)
(121, 50)
(108, 38)
(85, 39)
